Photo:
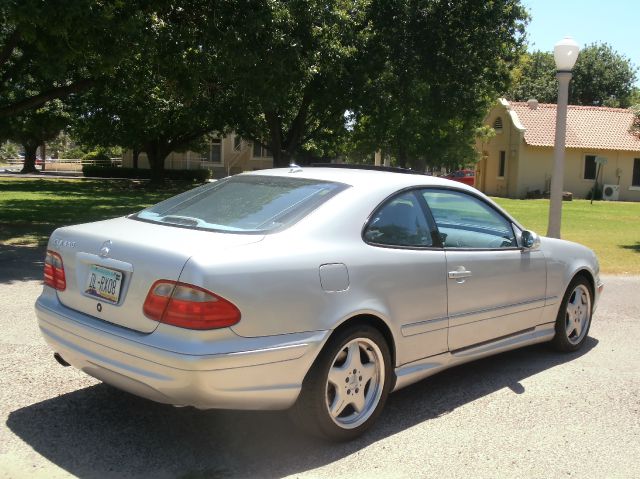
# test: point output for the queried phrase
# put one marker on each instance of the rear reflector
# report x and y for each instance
(188, 306)
(54, 271)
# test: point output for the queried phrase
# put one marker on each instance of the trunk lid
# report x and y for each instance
(122, 258)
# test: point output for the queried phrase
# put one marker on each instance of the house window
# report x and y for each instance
(260, 151)
(635, 179)
(502, 164)
(590, 167)
(497, 125)
(215, 151)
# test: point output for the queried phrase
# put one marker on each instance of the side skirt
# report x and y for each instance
(415, 371)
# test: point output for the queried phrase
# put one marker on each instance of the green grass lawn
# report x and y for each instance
(610, 228)
(30, 209)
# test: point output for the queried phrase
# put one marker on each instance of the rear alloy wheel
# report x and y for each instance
(574, 316)
(347, 386)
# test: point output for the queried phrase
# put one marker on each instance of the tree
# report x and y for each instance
(601, 77)
(32, 128)
(288, 70)
(157, 100)
(431, 70)
(61, 47)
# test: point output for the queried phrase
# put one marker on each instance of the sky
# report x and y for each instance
(615, 22)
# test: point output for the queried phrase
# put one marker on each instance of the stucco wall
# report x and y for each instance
(536, 166)
(507, 140)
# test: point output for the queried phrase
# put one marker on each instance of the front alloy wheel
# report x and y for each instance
(574, 316)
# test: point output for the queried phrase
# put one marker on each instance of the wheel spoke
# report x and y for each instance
(338, 404)
(578, 326)
(353, 357)
(571, 326)
(337, 375)
(358, 401)
(368, 372)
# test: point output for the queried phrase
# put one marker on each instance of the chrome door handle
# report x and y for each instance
(460, 273)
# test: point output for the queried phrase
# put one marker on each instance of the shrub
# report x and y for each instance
(97, 157)
(136, 173)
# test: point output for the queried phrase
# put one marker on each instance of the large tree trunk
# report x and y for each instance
(29, 158)
(280, 158)
(43, 155)
(136, 156)
(402, 157)
(156, 155)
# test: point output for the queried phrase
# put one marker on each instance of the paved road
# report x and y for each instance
(528, 413)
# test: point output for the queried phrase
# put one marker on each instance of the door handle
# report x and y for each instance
(459, 273)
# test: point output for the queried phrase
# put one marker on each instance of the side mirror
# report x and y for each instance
(530, 240)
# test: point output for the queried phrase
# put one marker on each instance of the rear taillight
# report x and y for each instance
(54, 271)
(188, 306)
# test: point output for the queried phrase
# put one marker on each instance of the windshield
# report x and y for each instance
(243, 204)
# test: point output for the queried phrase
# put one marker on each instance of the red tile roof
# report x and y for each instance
(588, 127)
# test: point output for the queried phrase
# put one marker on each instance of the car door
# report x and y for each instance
(408, 274)
(494, 288)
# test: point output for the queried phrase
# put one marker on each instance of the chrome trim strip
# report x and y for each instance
(479, 315)
(424, 326)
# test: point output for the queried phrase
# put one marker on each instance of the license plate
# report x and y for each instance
(104, 283)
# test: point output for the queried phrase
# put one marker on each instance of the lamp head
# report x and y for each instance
(565, 53)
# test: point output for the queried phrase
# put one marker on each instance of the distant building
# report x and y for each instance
(226, 155)
(518, 161)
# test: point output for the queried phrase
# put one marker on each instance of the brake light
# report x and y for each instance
(54, 271)
(188, 306)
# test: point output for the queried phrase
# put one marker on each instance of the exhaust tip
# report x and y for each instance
(60, 360)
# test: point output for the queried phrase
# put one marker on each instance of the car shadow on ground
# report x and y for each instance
(99, 431)
(21, 263)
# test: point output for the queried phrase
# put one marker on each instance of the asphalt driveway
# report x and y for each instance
(527, 413)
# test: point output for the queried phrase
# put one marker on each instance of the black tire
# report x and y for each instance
(365, 383)
(574, 316)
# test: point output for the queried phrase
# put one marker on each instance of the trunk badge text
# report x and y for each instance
(105, 249)
(59, 243)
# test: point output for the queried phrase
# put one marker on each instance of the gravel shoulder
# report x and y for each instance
(527, 413)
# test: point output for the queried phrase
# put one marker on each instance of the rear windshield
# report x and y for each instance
(243, 204)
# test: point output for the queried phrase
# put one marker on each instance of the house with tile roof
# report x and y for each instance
(518, 161)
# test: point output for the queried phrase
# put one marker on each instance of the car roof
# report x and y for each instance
(363, 178)
(371, 178)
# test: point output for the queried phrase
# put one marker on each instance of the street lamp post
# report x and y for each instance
(565, 53)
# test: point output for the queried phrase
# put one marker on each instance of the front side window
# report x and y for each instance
(465, 221)
(590, 167)
(243, 204)
(399, 222)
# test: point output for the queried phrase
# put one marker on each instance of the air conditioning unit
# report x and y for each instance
(610, 192)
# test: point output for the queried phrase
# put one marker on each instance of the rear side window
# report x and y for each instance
(243, 204)
(399, 222)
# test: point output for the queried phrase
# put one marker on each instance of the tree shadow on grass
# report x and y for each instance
(633, 247)
(99, 431)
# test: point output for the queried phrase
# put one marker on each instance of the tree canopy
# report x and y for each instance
(302, 77)
(601, 77)
(59, 48)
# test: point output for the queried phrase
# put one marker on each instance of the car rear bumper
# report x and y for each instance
(212, 369)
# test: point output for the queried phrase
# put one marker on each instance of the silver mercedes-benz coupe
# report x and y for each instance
(319, 289)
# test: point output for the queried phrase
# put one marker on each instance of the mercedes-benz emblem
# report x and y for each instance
(99, 308)
(105, 249)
